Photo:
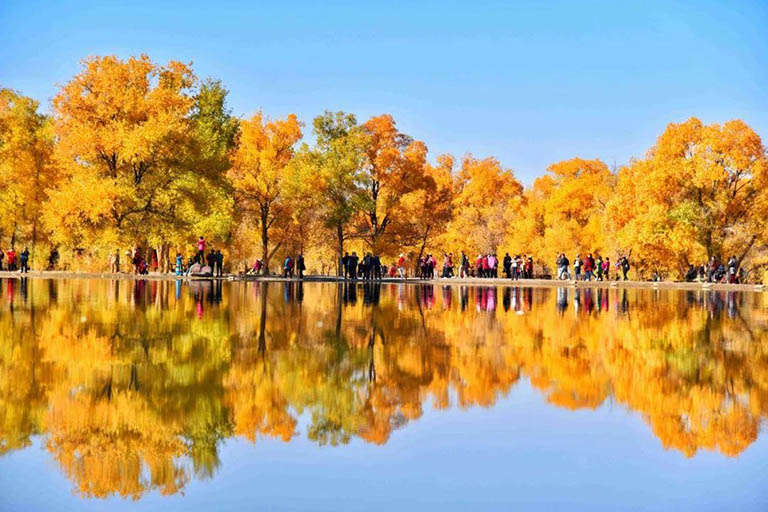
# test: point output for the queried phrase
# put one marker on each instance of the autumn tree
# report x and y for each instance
(26, 167)
(487, 198)
(331, 173)
(431, 205)
(394, 167)
(123, 138)
(259, 175)
(565, 210)
(701, 191)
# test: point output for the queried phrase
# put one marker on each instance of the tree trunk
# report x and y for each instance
(340, 239)
(265, 242)
(746, 250)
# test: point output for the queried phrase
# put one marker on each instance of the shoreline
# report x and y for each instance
(528, 283)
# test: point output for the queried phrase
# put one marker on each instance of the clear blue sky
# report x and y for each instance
(530, 83)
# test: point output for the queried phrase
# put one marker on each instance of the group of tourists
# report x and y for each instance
(715, 271)
(202, 263)
(15, 262)
(370, 267)
(590, 268)
(290, 265)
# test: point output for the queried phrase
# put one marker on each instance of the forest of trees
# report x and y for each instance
(136, 153)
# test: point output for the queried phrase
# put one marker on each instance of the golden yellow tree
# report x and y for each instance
(565, 211)
(394, 167)
(26, 167)
(701, 191)
(124, 144)
(487, 200)
(259, 175)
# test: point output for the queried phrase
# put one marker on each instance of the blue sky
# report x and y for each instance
(530, 83)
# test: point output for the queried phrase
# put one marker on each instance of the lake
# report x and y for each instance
(170, 395)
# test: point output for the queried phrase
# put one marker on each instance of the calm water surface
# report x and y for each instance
(162, 395)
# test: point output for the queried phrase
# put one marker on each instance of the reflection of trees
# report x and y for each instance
(134, 392)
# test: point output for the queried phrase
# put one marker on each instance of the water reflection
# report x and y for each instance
(135, 384)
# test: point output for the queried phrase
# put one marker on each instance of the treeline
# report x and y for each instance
(136, 153)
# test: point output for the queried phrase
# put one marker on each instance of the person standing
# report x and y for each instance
(53, 259)
(2, 255)
(200, 255)
(464, 269)
(507, 264)
(353, 265)
(24, 259)
(733, 265)
(589, 267)
(114, 262)
(607, 268)
(179, 264)
(11, 259)
(376, 261)
(211, 260)
(219, 263)
(564, 263)
(288, 267)
(577, 267)
(366, 266)
(625, 266)
(300, 267)
(401, 265)
(599, 267)
(345, 265)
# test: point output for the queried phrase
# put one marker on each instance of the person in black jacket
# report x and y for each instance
(219, 263)
(345, 265)
(376, 263)
(507, 263)
(352, 265)
(300, 267)
(24, 259)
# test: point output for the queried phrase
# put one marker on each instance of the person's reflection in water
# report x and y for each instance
(464, 297)
(371, 293)
(506, 298)
(479, 299)
(491, 300)
(178, 289)
(23, 289)
(732, 299)
(217, 291)
(714, 304)
(589, 301)
(624, 302)
(153, 292)
(140, 293)
(576, 301)
(53, 292)
(528, 298)
(10, 291)
(562, 300)
(350, 291)
(288, 292)
(447, 296)
(300, 292)
(426, 295)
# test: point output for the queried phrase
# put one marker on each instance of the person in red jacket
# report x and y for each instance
(589, 267)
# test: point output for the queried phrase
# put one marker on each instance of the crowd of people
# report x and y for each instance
(715, 271)
(15, 262)
(590, 268)
(207, 261)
